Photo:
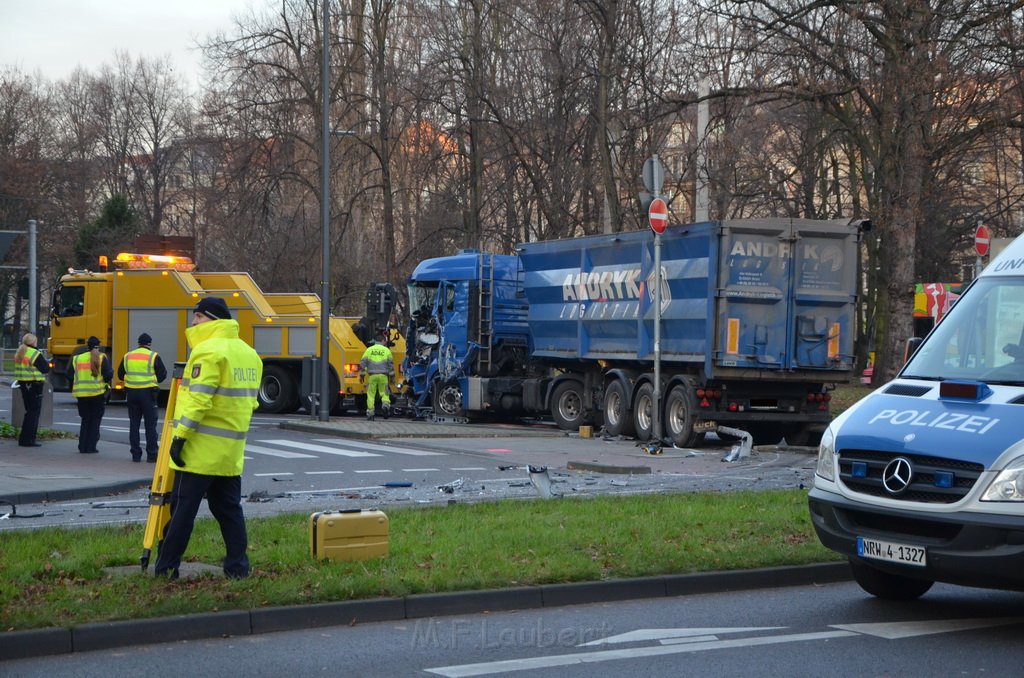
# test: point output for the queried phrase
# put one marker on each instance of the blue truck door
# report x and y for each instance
(752, 321)
(823, 303)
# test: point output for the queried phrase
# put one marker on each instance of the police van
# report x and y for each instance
(923, 479)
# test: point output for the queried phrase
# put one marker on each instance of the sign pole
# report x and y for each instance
(656, 407)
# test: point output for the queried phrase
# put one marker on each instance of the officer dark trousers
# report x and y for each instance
(223, 496)
(32, 397)
(142, 407)
(90, 409)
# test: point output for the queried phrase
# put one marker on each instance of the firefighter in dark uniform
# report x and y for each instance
(142, 370)
(212, 410)
(90, 374)
(30, 369)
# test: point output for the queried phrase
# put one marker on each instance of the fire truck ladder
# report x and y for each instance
(485, 322)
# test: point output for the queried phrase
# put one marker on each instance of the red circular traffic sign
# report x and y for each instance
(981, 240)
(657, 215)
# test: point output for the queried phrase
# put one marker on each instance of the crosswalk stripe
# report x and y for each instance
(321, 448)
(283, 454)
(383, 448)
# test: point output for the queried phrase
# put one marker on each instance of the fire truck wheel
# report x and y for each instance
(277, 392)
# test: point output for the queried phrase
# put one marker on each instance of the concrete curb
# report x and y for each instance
(68, 494)
(105, 635)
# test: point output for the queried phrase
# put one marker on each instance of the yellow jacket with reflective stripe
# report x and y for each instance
(138, 369)
(85, 384)
(25, 369)
(216, 399)
(377, 359)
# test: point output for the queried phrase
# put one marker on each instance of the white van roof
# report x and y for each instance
(1009, 262)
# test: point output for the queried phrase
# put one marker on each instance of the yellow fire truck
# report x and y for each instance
(156, 294)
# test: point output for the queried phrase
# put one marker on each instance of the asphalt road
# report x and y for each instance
(830, 630)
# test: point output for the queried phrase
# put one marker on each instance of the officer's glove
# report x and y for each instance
(177, 445)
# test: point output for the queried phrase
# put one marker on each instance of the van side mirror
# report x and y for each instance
(911, 348)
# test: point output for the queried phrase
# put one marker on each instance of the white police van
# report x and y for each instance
(923, 480)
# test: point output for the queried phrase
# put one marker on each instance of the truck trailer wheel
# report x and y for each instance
(567, 405)
(643, 413)
(887, 585)
(680, 413)
(278, 392)
(618, 419)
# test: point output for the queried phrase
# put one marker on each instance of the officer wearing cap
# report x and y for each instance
(142, 370)
(30, 368)
(212, 410)
(90, 373)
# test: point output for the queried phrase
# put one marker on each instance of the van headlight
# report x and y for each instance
(826, 467)
(1008, 485)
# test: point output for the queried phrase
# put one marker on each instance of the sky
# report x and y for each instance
(52, 37)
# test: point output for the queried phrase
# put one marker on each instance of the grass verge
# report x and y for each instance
(56, 577)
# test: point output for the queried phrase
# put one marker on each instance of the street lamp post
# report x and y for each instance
(325, 218)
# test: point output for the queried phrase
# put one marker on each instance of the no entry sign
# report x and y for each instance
(981, 240)
(657, 215)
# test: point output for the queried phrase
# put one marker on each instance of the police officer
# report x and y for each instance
(90, 373)
(213, 406)
(30, 369)
(142, 370)
(379, 365)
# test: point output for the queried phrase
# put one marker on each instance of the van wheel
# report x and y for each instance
(887, 585)
(277, 392)
(567, 405)
(618, 419)
(643, 413)
(680, 413)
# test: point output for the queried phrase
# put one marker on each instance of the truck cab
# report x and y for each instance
(923, 479)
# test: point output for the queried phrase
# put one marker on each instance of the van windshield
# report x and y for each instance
(981, 339)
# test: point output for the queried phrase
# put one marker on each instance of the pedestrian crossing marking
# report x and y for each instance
(384, 448)
(283, 454)
(321, 448)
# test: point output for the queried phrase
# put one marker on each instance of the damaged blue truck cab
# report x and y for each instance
(923, 479)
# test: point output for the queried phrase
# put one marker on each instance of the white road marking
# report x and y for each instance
(382, 448)
(283, 454)
(322, 473)
(678, 641)
(418, 470)
(896, 630)
(664, 634)
(467, 468)
(321, 448)
(261, 475)
(375, 470)
(532, 663)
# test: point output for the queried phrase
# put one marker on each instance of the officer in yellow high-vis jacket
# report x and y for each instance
(30, 369)
(214, 404)
(90, 373)
(142, 370)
